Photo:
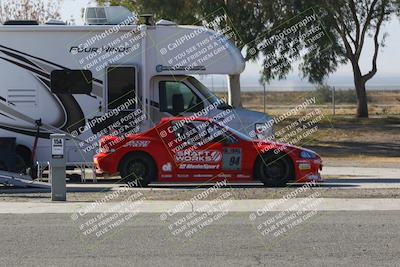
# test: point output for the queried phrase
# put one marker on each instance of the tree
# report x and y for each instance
(246, 17)
(348, 24)
(39, 10)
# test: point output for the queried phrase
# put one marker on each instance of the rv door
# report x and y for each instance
(121, 93)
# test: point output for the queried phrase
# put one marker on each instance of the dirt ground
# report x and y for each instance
(381, 103)
(342, 140)
(250, 192)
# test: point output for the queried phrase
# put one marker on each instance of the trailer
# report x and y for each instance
(109, 75)
(18, 180)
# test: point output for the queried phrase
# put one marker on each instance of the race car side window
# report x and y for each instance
(176, 97)
(189, 134)
(196, 132)
(220, 134)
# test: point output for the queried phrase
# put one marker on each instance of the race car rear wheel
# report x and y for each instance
(274, 169)
(137, 169)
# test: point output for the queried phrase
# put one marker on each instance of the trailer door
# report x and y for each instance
(121, 87)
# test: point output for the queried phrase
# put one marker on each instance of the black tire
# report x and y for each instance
(3, 166)
(22, 159)
(32, 172)
(274, 170)
(137, 169)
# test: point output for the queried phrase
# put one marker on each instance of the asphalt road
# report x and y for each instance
(335, 238)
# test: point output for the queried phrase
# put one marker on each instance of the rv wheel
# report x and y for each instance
(3, 166)
(33, 172)
(137, 169)
(22, 159)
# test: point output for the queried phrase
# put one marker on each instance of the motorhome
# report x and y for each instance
(79, 80)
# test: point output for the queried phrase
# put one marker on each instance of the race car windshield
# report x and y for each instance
(211, 97)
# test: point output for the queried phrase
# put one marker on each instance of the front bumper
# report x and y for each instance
(104, 164)
(307, 170)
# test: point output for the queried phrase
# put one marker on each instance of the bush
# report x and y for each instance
(324, 95)
(346, 96)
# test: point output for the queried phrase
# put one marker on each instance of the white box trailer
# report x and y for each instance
(72, 78)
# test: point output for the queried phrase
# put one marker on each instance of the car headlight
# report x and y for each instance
(304, 154)
(264, 131)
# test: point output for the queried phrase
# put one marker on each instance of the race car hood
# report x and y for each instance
(242, 119)
(263, 146)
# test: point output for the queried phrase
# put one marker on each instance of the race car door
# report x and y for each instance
(204, 152)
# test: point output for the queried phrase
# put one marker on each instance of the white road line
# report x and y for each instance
(319, 204)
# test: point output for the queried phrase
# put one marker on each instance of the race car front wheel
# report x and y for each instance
(274, 170)
(137, 169)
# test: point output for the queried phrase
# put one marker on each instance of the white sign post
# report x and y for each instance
(57, 165)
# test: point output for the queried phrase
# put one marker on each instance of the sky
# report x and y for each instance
(388, 76)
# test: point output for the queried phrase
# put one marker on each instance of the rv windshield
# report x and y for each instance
(210, 96)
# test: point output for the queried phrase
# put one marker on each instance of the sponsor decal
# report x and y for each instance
(313, 177)
(183, 175)
(211, 156)
(199, 166)
(304, 166)
(202, 175)
(317, 161)
(224, 175)
(137, 143)
(167, 167)
(166, 175)
(242, 176)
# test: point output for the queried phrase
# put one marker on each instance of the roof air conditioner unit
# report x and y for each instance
(112, 15)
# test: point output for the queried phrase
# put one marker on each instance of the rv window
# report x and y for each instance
(177, 97)
(121, 83)
(71, 81)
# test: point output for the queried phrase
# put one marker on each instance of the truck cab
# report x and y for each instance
(186, 96)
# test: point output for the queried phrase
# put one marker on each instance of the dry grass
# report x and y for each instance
(380, 102)
(343, 139)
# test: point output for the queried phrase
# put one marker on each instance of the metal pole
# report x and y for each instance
(264, 98)
(333, 102)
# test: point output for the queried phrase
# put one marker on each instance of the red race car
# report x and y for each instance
(202, 150)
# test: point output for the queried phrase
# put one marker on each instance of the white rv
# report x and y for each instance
(71, 77)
